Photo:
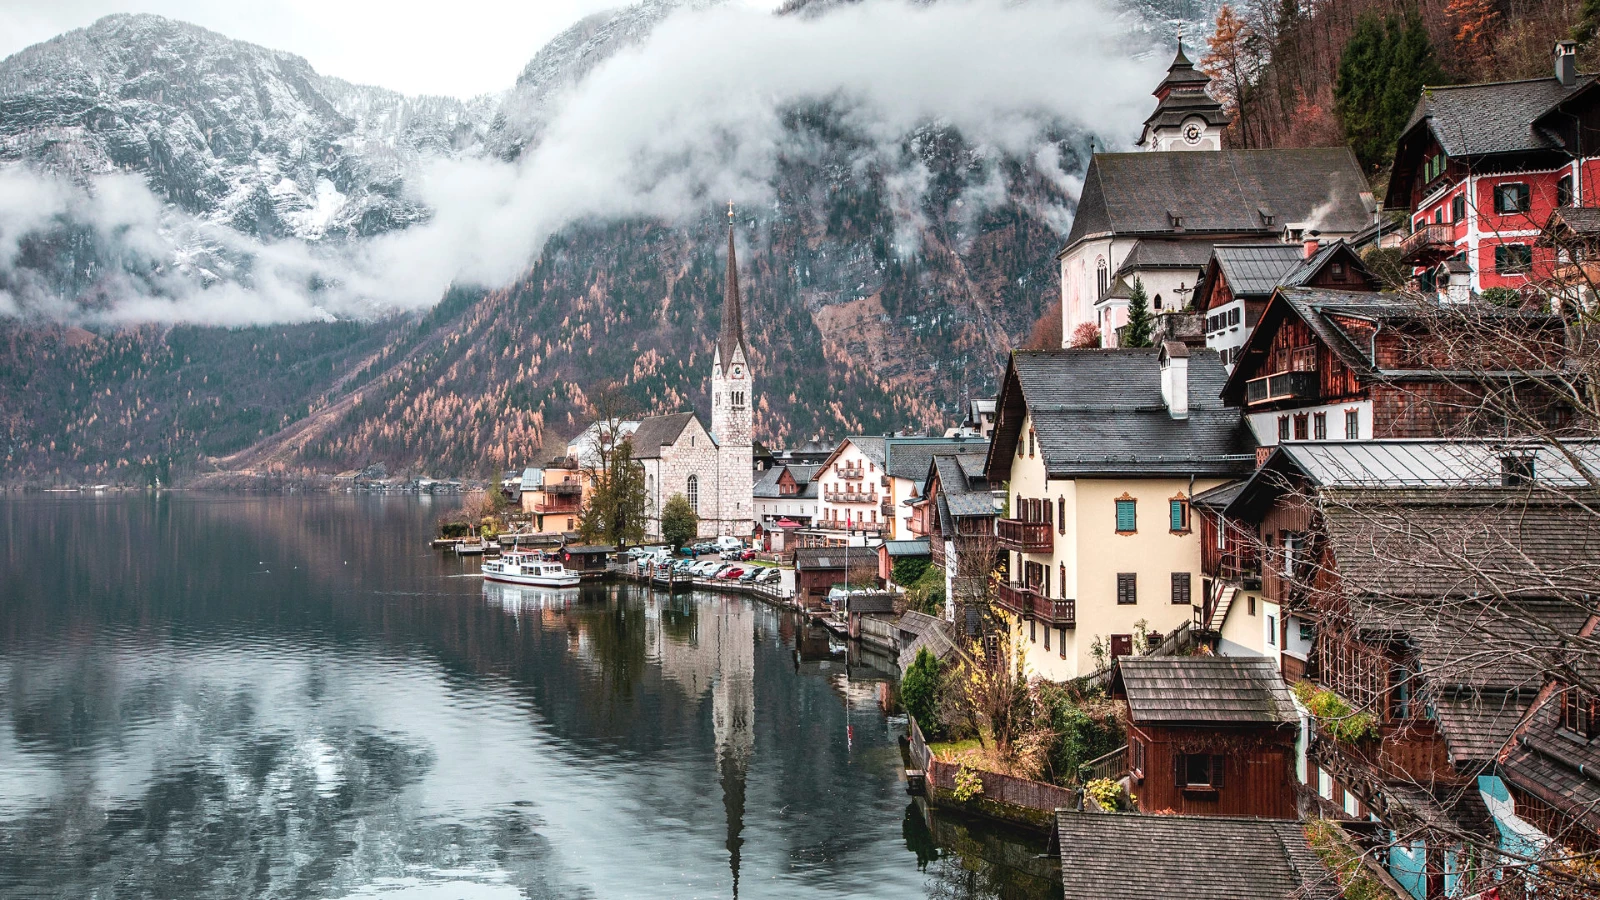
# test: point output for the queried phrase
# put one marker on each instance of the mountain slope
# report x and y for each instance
(863, 314)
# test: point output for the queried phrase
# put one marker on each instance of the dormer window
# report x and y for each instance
(1174, 220)
(1580, 713)
(1516, 470)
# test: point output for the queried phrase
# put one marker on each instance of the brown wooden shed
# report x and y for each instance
(1209, 735)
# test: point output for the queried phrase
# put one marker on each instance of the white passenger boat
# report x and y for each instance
(529, 567)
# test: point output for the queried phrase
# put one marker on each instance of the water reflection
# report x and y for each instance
(292, 697)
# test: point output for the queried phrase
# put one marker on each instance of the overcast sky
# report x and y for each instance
(456, 47)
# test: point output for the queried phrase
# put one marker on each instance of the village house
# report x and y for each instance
(1240, 278)
(868, 485)
(1209, 735)
(554, 496)
(1482, 168)
(786, 501)
(1326, 364)
(1155, 216)
(1124, 856)
(1420, 582)
(956, 514)
(1100, 452)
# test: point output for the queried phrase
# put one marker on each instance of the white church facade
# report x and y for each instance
(712, 467)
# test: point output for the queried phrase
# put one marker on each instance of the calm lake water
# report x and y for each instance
(291, 697)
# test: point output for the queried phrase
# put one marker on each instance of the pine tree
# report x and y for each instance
(1140, 326)
(1233, 60)
(1385, 66)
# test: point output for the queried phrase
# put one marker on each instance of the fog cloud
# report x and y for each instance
(667, 129)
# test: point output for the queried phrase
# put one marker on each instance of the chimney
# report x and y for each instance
(1567, 63)
(1312, 243)
(1174, 360)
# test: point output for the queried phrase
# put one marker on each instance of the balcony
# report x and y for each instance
(854, 527)
(1025, 537)
(1054, 612)
(852, 474)
(886, 509)
(1015, 599)
(850, 497)
(1281, 386)
(1429, 244)
(564, 489)
(558, 506)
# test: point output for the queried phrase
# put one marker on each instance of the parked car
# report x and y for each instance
(750, 576)
(706, 568)
(728, 542)
(731, 573)
(771, 573)
(748, 555)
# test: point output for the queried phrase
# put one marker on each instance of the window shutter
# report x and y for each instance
(1127, 517)
(1177, 771)
(1180, 587)
(1217, 765)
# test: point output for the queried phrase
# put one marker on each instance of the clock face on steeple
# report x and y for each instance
(1192, 132)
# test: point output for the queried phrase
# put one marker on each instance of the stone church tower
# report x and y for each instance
(732, 396)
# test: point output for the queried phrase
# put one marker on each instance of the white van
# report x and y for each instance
(728, 543)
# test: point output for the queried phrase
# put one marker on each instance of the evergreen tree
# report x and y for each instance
(1140, 325)
(1385, 66)
(679, 524)
(919, 691)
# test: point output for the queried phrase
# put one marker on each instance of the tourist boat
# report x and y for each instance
(529, 567)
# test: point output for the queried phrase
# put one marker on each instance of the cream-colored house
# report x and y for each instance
(1100, 452)
(868, 486)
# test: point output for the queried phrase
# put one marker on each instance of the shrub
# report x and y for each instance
(969, 785)
(1336, 715)
(908, 569)
(1105, 792)
(919, 691)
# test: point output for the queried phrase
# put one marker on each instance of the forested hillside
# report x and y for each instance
(1301, 74)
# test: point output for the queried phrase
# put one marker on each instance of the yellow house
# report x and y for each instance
(1100, 452)
(556, 501)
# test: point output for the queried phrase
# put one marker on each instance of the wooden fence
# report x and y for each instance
(1112, 766)
(1006, 790)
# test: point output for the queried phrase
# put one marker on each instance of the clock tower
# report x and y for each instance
(1186, 117)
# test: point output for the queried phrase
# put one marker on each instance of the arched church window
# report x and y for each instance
(1158, 301)
(1102, 276)
(693, 491)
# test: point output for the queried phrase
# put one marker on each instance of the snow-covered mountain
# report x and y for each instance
(233, 133)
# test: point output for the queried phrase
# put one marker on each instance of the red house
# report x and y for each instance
(1209, 735)
(1480, 168)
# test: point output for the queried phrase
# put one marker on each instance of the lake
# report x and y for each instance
(293, 697)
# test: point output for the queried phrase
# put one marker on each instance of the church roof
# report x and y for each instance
(732, 336)
(657, 432)
(1200, 192)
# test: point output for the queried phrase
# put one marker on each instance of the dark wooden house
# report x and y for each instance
(1350, 365)
(1209, 735)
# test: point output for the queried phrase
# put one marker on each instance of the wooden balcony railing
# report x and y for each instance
(1025, 537)
(1014, 598)
(850, 497)
(1238, 563)
(564, 488)
(858, 527)
(1429, 244)
(852, 474)
(1055, 612)
(558, 506)
(1300, 385)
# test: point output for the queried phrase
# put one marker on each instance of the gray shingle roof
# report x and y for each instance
(825, 558)
(907, 548)
(910, 457)
(1216, 690)
(1126, 856)
(1477, 724)
(658, 431)
(1556, 768)
(1425, 463)
(767, 486)
(1478, 119)
(1461, 543)
(1101, 412)
(1221, 191)
(1156, 254)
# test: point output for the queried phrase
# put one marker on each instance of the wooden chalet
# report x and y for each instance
(1240, 278)
(1551, 765)
(1209, 735)
(1428, 585)
(1352, 365)
(955, 502)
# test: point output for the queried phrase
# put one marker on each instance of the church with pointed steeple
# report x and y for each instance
(713, 468)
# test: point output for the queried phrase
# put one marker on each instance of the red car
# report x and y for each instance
(747, 555)
(732, 573)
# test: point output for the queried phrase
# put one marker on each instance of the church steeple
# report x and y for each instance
(1186, 117)
(732, 337)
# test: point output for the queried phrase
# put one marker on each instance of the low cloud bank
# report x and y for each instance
(689, 118)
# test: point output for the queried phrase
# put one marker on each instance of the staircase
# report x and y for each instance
(1219, 609)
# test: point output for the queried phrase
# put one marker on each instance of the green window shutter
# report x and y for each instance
(1178, 517)
(1127, 518)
